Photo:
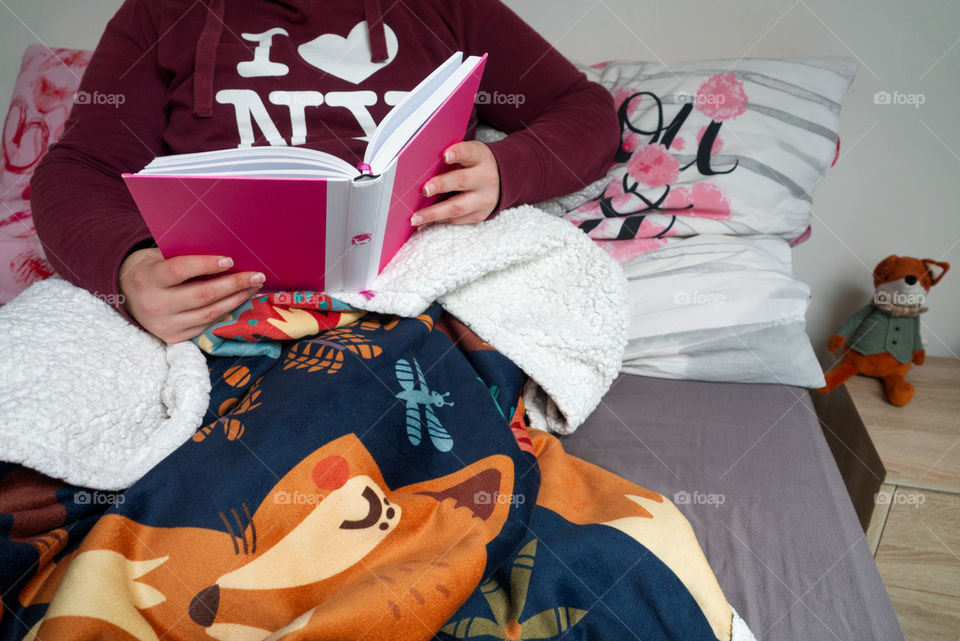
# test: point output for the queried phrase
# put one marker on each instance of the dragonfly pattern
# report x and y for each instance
(416, 397)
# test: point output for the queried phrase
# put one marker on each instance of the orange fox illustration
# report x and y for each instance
(328, 536)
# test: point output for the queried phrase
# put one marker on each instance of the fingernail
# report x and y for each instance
(225, 263)
(257, 279)
(428, 189)
(416, 220)
(448, 156)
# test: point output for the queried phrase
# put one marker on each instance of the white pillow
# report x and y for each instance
(719, 308)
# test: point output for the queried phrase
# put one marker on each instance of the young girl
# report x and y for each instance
(180, 76)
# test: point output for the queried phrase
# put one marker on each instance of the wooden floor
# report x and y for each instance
(918, 562)
(915, 529)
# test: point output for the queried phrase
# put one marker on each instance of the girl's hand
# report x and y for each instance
(156, 295)
(476, 185)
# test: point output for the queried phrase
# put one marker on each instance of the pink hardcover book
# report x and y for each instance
(305, 218)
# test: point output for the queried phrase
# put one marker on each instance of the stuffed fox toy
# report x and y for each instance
(883, 337)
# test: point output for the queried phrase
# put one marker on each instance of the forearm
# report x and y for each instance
(86, 221)
(567, 147)
(84, 214)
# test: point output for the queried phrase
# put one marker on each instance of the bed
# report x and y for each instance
(712, 410)
(783, 518)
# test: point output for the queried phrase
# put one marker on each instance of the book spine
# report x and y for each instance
(365, 230)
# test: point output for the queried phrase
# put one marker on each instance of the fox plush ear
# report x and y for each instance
(936, 269)
(883, 266)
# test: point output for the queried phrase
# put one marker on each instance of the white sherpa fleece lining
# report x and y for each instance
(88, 398)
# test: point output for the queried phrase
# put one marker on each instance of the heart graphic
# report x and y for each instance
(347, 58)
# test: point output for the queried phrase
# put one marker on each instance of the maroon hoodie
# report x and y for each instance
(179, 76)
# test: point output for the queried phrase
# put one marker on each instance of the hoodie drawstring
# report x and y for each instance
(372, 13)
(206, 57)
(205, 60)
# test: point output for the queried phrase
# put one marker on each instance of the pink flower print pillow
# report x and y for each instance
(42, 98)
(715, 147)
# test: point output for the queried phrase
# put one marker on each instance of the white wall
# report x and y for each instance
(55, 23)
(896, 188)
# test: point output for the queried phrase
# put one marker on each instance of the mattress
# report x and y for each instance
(749, 467)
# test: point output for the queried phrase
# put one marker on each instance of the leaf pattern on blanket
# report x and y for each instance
(325, 353)
(232, 427)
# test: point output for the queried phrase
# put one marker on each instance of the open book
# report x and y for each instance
(305, 218)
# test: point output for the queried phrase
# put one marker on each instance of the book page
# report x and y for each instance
(264, 161)
(408, 116)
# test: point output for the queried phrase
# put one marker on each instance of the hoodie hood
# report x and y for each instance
(209, 39)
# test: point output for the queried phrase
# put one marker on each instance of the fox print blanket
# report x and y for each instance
(375, 481)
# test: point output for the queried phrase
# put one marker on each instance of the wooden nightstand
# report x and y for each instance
(914, 528)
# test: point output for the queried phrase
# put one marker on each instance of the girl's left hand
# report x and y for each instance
(475, 185)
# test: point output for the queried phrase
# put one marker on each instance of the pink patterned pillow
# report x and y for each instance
(730, 147)
(42, 98)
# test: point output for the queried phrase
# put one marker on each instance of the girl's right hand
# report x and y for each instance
(157, 295)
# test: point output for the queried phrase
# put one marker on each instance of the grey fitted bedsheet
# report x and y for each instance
(749, 467)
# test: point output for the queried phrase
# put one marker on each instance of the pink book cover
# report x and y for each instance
(231, 215)
(422, 158)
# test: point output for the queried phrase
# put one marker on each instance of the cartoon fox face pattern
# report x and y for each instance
(329, 535)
